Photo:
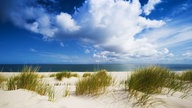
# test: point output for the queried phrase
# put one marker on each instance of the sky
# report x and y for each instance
(95, 31)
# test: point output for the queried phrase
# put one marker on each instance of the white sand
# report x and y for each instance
(115, 97)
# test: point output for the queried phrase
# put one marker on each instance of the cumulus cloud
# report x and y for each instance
(42, 25)
(26, 14)
(114, 30)
(66, 22)
(150, 6)
(110, 26)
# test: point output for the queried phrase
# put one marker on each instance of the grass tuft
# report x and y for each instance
(74, 75)
(2, 78)
(86, 74)
(187, 75)
(51, 93)
(61, 75)
(66, 92)
(30, 80)
(52, 75)
(12, 83)
(149, 80)
(152, 80)
(94, 85)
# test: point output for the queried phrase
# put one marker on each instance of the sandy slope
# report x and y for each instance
(115, 97)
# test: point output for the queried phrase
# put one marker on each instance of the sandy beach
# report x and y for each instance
(114, 97)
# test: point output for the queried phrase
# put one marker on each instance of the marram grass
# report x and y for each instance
(86, 74)
(147, 81)
(66, 91)
(29, 79)
(187, 75)
(2, 78)
(52, 75)
(12, 83)
(61, 75)
(94, 84)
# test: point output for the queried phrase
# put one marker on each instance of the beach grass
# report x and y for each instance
(94, 84)
(12, 83)
(74, 75)
(51, 93)
(52, 75)
(66, 91)
(187, 75)
(86, 74)
(61, 75)
(30, 80)
(147, 81)
(2, 78)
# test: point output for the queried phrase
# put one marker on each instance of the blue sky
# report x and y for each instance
(92, 31)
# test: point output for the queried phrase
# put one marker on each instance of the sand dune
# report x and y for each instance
(115, 97)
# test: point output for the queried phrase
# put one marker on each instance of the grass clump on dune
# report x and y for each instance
(61, 75)
(52, 75)
(86, 74)
(12, 83)
(2, 78)
(74, 75)
(186, 76)
(30, 80)
(94, 84)
(149, 80)
(152, 80)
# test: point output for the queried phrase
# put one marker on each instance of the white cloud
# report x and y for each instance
(150, 23)
(105, 56)
(165, 51)
(171, 40)
(66, 22)
(111, 26)
(32, 18)
(187, 54)
(170, 55)
(42, 25)
(111, 29)
(150, 6)
(170, 35)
